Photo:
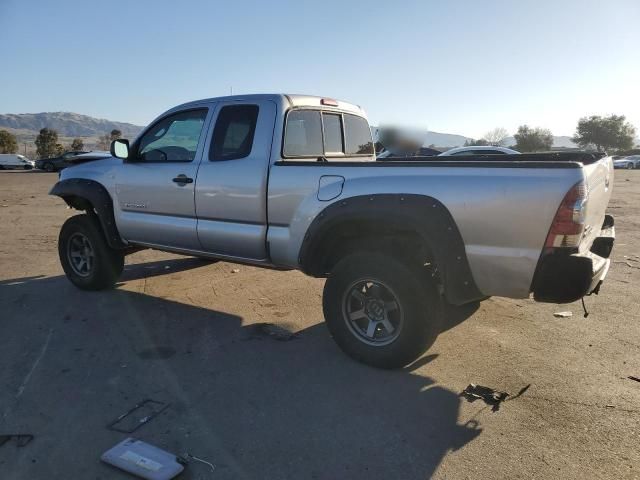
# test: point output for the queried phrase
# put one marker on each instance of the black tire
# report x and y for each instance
(48, 167)
(629, 166)
(420, 308)
(106, 264)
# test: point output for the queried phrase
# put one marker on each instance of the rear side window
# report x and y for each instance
(234, 132)
(303, 135)
(357, 136)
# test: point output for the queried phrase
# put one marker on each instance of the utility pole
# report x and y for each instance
(25, 149)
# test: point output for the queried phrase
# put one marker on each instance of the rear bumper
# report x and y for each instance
(564, 278)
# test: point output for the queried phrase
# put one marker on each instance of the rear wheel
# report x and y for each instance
(87, 259)
(381, 311)
(629, 166)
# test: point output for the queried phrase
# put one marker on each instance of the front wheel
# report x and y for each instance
(629, 166)
(381, 311)
(87, 259)
(48, 167)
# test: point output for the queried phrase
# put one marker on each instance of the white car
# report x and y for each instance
(488, 150)
(630, 162)
(12, 160)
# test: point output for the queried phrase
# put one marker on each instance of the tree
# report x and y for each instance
(611, 132)
(115, 134)
(104, 142)
(533, 139)
(46, 143)
(481, 142)
(8, 142)
(77, 145)
(497, 136)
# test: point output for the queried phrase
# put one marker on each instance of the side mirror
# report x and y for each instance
(120, 148)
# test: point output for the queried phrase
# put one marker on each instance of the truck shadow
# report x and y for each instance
(255, 406)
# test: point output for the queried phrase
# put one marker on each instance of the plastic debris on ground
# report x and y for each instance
(488, 395)
(22, 439)
(137, 416)
(143, 460)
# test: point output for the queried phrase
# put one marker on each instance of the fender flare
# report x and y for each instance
(418, 214)
(91, 196)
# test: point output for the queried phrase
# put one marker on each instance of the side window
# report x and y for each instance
(303, 134)
(332, 133)
(174, 138)
(491, 152)
(357, 136)
(464, 153)
(234, 132)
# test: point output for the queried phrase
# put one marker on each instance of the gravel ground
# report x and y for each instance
(182, 330)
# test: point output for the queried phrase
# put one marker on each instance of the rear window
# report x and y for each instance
(332, 133)
(358, 136)
(311, 133)
(303, 135)
(234, 132)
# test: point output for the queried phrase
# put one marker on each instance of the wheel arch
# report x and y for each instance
(92, 197)
(418, 228)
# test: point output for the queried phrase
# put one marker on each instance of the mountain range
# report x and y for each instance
(67, 124)
(70, 125)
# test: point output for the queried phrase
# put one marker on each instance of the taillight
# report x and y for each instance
(569, 223)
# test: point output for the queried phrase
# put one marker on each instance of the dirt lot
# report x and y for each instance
(181, 330)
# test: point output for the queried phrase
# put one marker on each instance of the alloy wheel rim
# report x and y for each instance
(80, 254)
(372, 312)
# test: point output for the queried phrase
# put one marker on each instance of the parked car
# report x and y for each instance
(292, 182)
(56, 164)
(13, 161)
(86, 157)
(630, 162)
(421, 152)
(478, 150)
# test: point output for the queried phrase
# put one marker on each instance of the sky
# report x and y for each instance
(452, 66)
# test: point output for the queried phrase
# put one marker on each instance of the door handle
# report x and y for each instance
(183, 179)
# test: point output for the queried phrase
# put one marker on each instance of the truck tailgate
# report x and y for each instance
(599, 182)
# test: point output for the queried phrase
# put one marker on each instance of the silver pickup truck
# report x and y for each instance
(292, 182)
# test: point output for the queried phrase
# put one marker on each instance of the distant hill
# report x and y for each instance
(450, 140)
(67, 124)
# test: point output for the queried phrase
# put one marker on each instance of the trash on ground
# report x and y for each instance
(142, 413)
(22, 439)
(188, 457)
(143, 460)
(631, 377)
(259, 330)
(490, 396)
(563, 314)
(235, 270)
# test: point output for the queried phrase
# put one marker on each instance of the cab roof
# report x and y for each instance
(292, 100)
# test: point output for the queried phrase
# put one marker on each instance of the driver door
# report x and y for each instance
(155, 188)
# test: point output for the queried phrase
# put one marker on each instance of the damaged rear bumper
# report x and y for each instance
(565, 278)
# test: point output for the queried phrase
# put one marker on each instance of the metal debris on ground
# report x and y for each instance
(490, 396)
(631, 377)
(260, 330)
(22, 439)
(144, 412)
(563, 314)
(188, 457)
(143, 460)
